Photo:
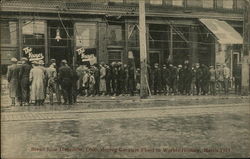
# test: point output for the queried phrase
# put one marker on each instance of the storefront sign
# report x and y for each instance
(85, 57)
(31, 55)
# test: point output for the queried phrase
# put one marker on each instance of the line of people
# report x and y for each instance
(31, 82)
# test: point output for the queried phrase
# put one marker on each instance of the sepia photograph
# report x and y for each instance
(125, 79)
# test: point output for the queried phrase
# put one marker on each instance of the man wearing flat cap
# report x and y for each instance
(65, 75)
(25, 84)
(12, 77)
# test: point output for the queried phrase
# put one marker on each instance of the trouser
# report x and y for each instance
(25, 89)
(226, 86)
(58, 93)
(51, 89)
(67, 94)
(156, 87)
(131, 86)
(237, 86)
(74, 92)
(187, 86)
(193, 87)
(204, 87)
(198, 86)
(180, 86)
(67, 91)
(114, 86)
(172, 86)
(220, 86)
(108, 86)
(96, 87)
(212, 87)
(164, 87)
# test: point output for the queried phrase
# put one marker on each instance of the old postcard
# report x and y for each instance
(125, 78)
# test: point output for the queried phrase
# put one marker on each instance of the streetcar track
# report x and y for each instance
(61, 115)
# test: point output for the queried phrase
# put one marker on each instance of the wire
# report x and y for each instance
(63, 26)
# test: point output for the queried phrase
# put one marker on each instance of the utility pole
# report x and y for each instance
(246, 50)
(143, 53)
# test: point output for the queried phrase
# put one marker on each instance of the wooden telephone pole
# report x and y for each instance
(246, 50)
(143, 50)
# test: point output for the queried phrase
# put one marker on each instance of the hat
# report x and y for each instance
(13, 59)
(41, 62)
(180, 66)
(19, 62)
(24, 59)
(64, 61)
(156, 64)
(35, 62)
(52, 60)
(163, 65)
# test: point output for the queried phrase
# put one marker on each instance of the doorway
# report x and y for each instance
(60, 48)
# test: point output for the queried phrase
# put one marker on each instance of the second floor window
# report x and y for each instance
(156, 2)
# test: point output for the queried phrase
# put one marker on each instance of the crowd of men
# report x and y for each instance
(31, 82)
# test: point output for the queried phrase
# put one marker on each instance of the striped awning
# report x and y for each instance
(224, 32)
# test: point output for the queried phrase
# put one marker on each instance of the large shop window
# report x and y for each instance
(178, 3)
(33, 37)
(156, 2)
(227, 4)
(133, 35)
(180, 45)
(208, 4)
(86, 38)
(115, 35)
(194, 3)
(8, 33)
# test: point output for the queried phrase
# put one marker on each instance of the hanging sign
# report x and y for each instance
(31, 55)
(86, 57)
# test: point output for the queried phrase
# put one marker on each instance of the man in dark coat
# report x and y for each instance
(25, 83)
(96, 72)
(120, 78)
(156, 76)
(108, 79)
(198, 78)
(164, 79)
(180, 79)
(205, 79)
(13, 79)
(65, 76)
(131, 79)
(237, 77)
(187, 75)
(114, 77)
(172, 78)
(125, 78)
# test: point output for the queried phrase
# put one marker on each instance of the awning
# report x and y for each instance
(224, 33)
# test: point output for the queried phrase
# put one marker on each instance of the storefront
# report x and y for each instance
(108, 39)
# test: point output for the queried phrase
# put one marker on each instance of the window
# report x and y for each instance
(194, 3)
(168, 2)
(156, 2)
(228, 4)
(240, 4)
(34, 37)
(133, 35)
(116, 1)
(85, 35)
(132, 1)
(178, 3)
(208, 3)
(9, 32)
(115, 35)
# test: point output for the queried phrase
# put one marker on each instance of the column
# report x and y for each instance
(193, 58)
(102, 43)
